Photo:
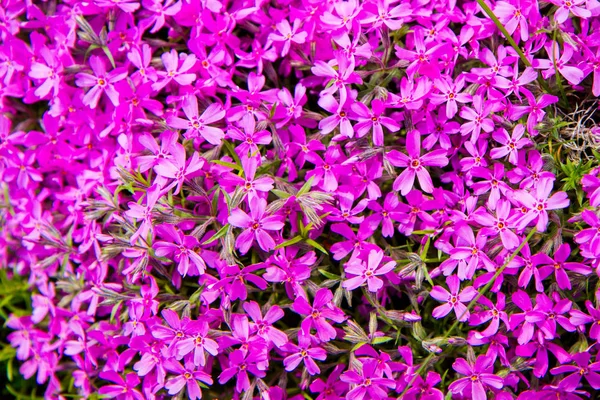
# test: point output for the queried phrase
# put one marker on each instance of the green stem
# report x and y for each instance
(470, 306)
(511, 41)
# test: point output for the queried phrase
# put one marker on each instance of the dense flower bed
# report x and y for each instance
(300, 199)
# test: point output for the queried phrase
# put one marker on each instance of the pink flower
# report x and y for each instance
(415, 164)
(367, 272)
(100, 82)
(512, 144)
(255, 226)
(453, 299)
(478, 376)
(288, 34)
(199, 124)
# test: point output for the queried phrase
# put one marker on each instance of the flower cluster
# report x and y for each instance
(353, 199)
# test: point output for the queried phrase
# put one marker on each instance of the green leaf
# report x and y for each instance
(382, 339)
(231, 151)
(281, 194)
(329, 275)
(358, 346)
(113, 313)
(316, 246)
(222, 232)
(227, 164)
(306, 187)
(290, 242)
(109, 55)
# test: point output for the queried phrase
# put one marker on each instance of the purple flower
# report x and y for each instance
(453, 299)
(375, 119)
(123, 389)
(478, 377)
(197, 341)
(186, 377)
(559, 267)
(303, 352)
(288, 34)
(367, 272)
(511, 144)
(368, 383)
(415, 164)
(100, 82)
(264, 325)
(196, 124)
(318, 314)
(537, 203)
(239, 365)
(449, 94)
(582, 368)
(255, 226)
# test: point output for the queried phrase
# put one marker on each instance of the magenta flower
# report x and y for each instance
(123, 389)
(513, 16)
(333, 388)
(183, 249)
(495, 313)
(535, 111)
(537, 203)
(255, 226)
(569, 6)
(367, 272)
(528, 320)
(571, 73)
(477, 117)
(478, 377)
(450, 94)
(198, 342)
(288, 34)
(511, 144)
(415, 164)
(186, 377)
(239, 365)
(264, 325)
(250, 138)
(254, 187)
(175, 72)
(500, 224)
(559, 267)
(318, 314)
(579, 318)
(590, 237)
(177, 168)
(339, 118)
(342, 77)
(453, 299)
(303, 352)
(582, 368)
(198, 125)
(368, 120)
(368, 383)
(100, 82)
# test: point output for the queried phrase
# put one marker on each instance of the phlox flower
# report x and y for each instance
(478, 376)
(415, 164)
(255, 226)
(453, 299)
(367, 272)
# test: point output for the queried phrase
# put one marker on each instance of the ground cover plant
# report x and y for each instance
(299, 199)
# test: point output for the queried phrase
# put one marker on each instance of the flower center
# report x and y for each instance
(415, 163)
